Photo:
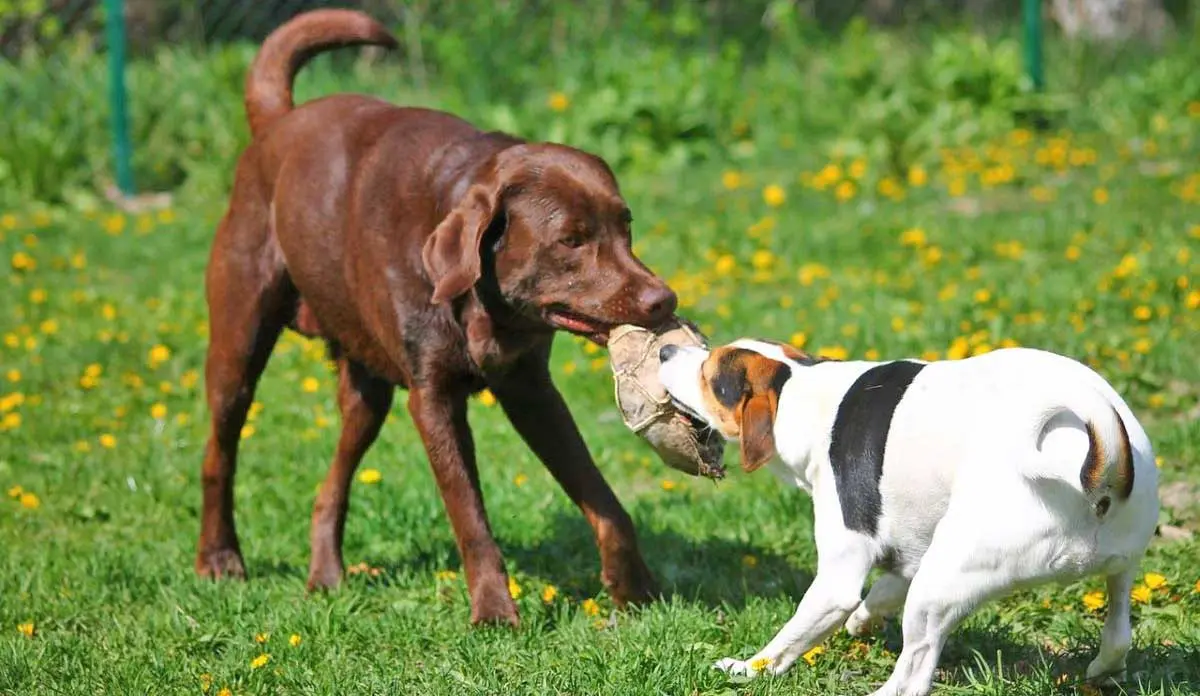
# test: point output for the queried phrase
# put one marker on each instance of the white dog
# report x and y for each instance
(963, 480)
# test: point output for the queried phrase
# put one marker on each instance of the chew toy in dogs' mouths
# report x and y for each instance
(682, 440)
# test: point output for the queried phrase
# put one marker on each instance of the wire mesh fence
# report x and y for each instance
(60, 76)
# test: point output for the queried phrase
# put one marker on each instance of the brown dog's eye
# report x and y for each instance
(573, 242)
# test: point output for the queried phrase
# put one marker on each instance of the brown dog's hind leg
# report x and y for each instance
(249, 298)
(364, 402)
(440, 415)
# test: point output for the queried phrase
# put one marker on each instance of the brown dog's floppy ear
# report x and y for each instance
(451, 254)
(758, 432)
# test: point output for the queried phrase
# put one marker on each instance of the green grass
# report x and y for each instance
(1067, 258)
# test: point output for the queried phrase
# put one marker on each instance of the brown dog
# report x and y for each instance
(430, 256)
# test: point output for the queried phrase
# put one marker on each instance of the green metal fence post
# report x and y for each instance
(1033, 43)
(114, 20)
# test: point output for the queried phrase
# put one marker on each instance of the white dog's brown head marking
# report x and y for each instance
(740, 392)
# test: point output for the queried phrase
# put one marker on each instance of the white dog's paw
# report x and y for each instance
(861, 626)
(736, 668)
(745, 668)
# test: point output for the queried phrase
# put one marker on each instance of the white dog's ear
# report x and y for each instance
(758, 431)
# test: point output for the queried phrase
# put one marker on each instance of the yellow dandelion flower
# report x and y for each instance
(37, 296)
(845, 191)
(982, 295)
(514, 590)
(310, 384)
(487, 398)
(260, 661)
(1127, 267)
(1196, 587)
(1143, 346)
(1193, 299)
(158, 411)
(114, 224)
(446, 575)
(29, 501)
(833, 352)
(1141, 594)
(557, 101)
(774, 195)
(1100, 195)
(732, 180)
(590, 607)
(25, 629)
(158, 355)
(549, 592)
(1154, 580)
(1143, 313)
(108, 441)
(668, 485)
(520, 479)
(261, 638)
(811, 656)
(762, 259)
(750, 560)
(225, 691)
(15, 492)
(959, 348)
(1094, 601)
(913, 237)
(917, 176)
(759, 664)
(294, 640)
(798, 339)
(369, 476)
(22, 261)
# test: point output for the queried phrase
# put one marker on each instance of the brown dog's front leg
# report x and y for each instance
(540, 415)
(441, 419)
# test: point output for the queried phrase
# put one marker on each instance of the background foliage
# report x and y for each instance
(655, 85)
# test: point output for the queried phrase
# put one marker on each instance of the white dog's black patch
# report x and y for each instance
(859, 436)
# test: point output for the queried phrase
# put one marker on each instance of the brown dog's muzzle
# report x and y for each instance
(656, 303)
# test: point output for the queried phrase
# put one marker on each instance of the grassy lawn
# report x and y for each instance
(1076, 243)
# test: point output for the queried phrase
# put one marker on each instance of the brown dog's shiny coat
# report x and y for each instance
(430, 256)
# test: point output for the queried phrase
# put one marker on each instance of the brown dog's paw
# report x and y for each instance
(324, 576)
(491, 604)
(219, 564)
(630, 582)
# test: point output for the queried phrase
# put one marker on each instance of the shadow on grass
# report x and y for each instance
(716, 572)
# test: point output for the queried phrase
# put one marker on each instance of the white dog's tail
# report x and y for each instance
(1084, 437)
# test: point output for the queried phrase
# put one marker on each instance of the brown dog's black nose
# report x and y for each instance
(667, 352)
(658, 303)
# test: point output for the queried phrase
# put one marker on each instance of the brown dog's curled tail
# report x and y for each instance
(269, 83)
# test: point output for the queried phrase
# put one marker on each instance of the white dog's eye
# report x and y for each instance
(727, 388)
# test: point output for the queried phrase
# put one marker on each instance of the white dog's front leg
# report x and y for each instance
(833, 595)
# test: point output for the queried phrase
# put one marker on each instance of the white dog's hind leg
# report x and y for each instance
(1117, 636)
(947, 587)
(833, 595)
(882, 602)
